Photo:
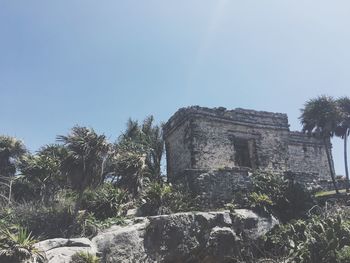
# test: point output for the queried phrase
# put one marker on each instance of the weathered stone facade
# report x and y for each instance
(212, 151)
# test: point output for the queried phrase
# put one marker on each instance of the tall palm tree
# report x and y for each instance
(11, 152)
(85, 162)
(320, 116)
(153, 135)
(150, 138)
(343, 131)
(86, 158)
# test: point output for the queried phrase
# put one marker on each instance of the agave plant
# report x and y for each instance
(18, 246)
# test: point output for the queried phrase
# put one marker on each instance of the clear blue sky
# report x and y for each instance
(97, 63)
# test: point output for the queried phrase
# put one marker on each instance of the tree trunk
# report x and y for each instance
(10, 192)
(330, 165)
(346, 160)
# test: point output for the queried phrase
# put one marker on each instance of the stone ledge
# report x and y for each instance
(239, 116)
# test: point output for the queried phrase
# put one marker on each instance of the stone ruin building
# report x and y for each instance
(213, 151)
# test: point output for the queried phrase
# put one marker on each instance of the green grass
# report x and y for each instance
(328, 193)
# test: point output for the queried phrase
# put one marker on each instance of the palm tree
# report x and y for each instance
(43, 170)
(343, 131)
(320, 117)
(150, 138)
(128, 166)
(85, 163)
(11, 152)
(153, 135)
(86, 158)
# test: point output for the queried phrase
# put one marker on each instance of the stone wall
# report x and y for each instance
(307, 155)
(214, 188)
(179, 150)
(214, 145)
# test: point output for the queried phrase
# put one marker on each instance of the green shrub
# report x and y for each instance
(94, 224)
(343, 255)
(272, 193)
(104, 202)
(54, 220)
(312, 241)
(17, 245)
(23, 190)
(164, 199)
(261, 202)
(82, 257)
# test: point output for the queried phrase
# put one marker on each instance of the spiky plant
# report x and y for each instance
(18, 246)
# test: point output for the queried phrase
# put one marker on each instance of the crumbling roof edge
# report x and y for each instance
(236, 115)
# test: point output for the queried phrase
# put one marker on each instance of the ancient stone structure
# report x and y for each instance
(212, 151)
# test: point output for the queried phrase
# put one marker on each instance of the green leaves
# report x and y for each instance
(320, 116)
(312, 241)
(86, 159)
(104, 202)
(82, 257)
(17, 245)
(149, 138)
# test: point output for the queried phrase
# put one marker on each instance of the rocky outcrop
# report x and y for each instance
(202, 237)
(183, 237)
(122, 243)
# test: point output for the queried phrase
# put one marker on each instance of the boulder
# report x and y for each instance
(203, 236)
(122, 244)
(60, 250)
(191, 237)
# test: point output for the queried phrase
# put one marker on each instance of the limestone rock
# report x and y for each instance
(192, 237)
(60, 250)
(202, 237)
(122, 244)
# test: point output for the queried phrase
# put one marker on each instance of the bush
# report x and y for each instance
(91, 225)
(82, 257)
(17, 245)
(163, 198)
(43, 221)
(261, 202)
(104, 202)
(315, 240)
(343, 255)
(273, 194)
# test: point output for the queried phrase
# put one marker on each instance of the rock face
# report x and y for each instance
(194, 237)
(122, 243)
(202, 237)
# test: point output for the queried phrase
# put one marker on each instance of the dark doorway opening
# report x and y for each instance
(243, 152)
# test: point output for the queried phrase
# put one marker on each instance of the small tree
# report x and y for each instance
(11, 152)
(43, 171)
(320, 117)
